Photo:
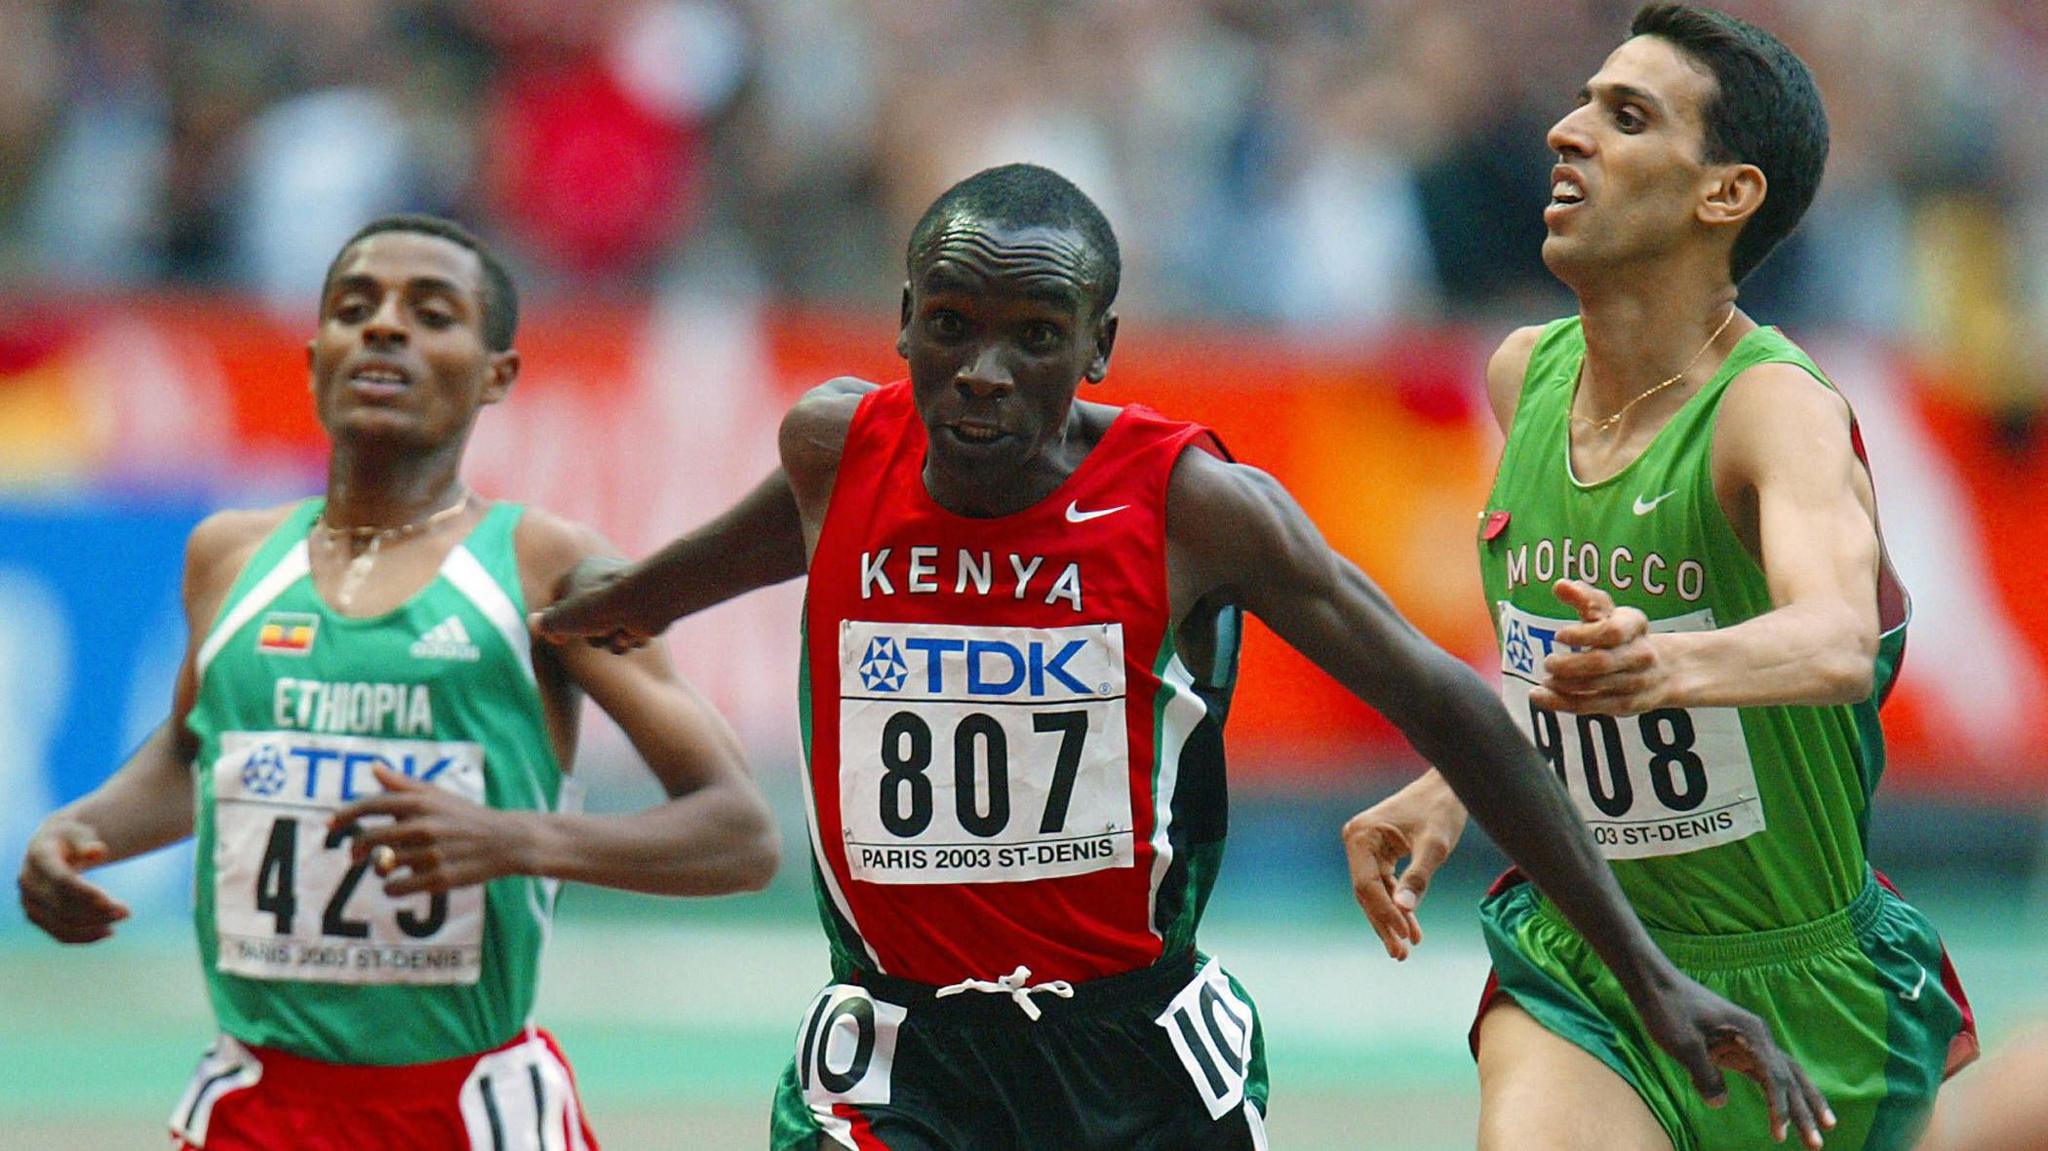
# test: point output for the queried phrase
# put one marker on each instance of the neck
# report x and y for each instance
(375, 491)
(985, 496)
(1640, 332)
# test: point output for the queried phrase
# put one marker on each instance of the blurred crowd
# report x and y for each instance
(1333, 166)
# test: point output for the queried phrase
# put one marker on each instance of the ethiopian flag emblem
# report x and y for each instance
(287, 633)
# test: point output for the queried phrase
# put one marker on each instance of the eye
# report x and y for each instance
(352, 310)
(1627, 119)
(1043, 337)
(946, 324)
(436, 317)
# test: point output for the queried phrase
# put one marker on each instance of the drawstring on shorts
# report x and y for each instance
(1017, 985)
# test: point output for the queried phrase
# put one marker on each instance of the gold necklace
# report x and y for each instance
(1606, 422)
(374, 538)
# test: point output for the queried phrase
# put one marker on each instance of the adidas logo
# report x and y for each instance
(446, 640)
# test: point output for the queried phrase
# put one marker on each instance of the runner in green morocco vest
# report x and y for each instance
(1739, 835)
(1723, 821)
(302, 950)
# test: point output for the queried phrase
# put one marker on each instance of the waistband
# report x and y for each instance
(1151, 986)
(291, 1074)
(1831, 932)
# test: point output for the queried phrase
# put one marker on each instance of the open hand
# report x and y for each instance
(588, 610)
(1705, 1034)
(1420, 823)
(54, 893)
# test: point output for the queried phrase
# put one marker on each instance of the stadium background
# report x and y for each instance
(1330, 210)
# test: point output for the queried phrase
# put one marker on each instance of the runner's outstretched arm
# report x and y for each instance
(760, 541)
(1234, 532)
(714, 834)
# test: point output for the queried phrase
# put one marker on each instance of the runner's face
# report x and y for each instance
(1630, 172)
(999, 329)
(400, 351)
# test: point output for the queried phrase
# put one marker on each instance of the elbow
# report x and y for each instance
(754, 849)
(758, 860)
(1848, 679)
(1848, 671)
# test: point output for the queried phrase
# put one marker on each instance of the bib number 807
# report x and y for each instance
(980, 751)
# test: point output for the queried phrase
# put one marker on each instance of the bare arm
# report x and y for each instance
(1234, 532)
(147, 803)
(1240, 533)
(762, 540)
(1423, 822)
(1795, 491)
(713, 835)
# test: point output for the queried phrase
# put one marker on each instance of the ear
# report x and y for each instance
(903, 324)
(1105, 340)
(1735, 193)
(502, 371)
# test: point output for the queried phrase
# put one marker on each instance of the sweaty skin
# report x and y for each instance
(999, 329)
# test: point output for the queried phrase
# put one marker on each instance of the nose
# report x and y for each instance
(985, 374)
(386, 325)
(1568, 137)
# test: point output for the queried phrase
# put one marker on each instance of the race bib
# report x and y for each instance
(982, 754)
(1666, 782)
(289, 903)
(1211, 1030)
(846, 1048)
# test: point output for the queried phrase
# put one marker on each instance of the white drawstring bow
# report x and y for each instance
(1017, 985)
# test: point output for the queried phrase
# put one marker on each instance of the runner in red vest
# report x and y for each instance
(1021, 639)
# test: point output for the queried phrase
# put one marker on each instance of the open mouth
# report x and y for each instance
(977, 434)
(379, 380)
(1566, 190)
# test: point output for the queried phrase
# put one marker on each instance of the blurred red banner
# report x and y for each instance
(645, 419)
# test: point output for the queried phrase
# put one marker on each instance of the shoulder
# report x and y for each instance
(1778, 406)
(813, 434)
(225, 540)
(220, 547)
(549, 546)
(1507, 369)
(1213, 504)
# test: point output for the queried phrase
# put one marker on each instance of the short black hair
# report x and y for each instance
(499, 300)
(1765, 111)
(1022, 196)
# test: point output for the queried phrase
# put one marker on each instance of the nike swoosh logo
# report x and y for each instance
(1914, 995)
(1076, 516)
(1644, 508)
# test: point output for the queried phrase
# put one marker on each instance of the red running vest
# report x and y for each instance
(1007, 762)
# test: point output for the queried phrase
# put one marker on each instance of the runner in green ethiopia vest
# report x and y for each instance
(373, 757)
(1697, 623)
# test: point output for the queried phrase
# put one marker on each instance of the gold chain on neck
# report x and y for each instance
(359, 566)
(1606, 422)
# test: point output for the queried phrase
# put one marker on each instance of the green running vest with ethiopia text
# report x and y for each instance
(302, 949)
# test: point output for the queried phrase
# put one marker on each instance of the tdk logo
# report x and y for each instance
(264, 773)
(972, 667)
(936, 661)
(883, 669)
(1525, 644)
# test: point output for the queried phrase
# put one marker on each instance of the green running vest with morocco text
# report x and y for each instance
(1715, 820)
(301, 949)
